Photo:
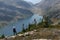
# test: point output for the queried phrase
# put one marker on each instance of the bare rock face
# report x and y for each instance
(51, 8)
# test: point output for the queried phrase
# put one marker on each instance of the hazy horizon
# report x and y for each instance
(33, 1)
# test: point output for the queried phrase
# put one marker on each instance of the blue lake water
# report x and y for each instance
(8, 30)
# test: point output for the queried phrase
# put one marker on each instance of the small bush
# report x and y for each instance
(2, 36)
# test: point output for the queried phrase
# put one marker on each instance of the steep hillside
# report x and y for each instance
(50, 7)
(14, 10)
(17, 3)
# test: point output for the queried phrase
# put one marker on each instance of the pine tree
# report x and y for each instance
(23, 29)
(35, 22)
(29, 27)
(46, 21)
(3, 36)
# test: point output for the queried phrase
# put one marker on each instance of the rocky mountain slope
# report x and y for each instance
(17, 3)
(50, 7)
(14, 9)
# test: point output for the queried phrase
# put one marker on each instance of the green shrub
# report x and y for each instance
(2, 36)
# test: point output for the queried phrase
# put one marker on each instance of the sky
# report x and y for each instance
(33, 1)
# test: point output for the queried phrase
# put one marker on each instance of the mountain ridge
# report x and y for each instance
(50, 8)
(9, 12)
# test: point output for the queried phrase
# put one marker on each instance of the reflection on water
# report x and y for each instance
(7, 31)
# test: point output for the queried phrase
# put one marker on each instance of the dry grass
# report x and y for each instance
(44, 33)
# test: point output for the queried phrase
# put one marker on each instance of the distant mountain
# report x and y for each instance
(50, 8)
(37, 10)
(14, 10)
(17, 3)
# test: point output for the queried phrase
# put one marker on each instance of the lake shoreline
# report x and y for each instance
(18, 25)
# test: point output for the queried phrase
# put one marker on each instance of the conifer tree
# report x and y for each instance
(46, 21)
(23, 29)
